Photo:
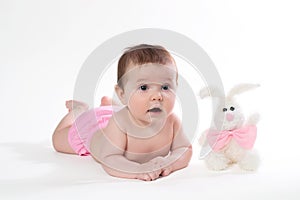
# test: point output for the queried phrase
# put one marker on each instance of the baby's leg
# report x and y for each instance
(60, 135)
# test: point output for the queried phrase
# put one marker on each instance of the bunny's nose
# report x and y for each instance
(229, 117)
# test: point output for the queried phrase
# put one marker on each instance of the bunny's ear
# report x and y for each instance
(210, 91)
(204, 92)
(238, 89)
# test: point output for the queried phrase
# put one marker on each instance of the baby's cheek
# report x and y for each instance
(133, 99)
(170, 102)
(137, 104)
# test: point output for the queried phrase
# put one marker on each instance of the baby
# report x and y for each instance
(144, 138)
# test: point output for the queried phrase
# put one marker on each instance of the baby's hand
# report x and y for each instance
(152, 169)
(167, 170)
(150, 176)
(161, 163)
(155, 164)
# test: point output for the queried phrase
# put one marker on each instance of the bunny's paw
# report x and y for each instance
(217, 161)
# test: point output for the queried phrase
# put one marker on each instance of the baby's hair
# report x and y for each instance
(143, 54)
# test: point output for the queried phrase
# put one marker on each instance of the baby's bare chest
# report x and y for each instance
(161, 141)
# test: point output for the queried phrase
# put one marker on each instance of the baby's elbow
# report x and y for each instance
(190, 149)
(108, 170)
(98, 156)
(186, 156)
(189, 153)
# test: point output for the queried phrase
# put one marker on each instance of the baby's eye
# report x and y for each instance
(232, 108)
(165, 87)
(143, 87)
(224, 109)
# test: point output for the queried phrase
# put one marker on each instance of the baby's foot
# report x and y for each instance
(106, 101)
(76, 105)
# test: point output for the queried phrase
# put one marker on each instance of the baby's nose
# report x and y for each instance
(156, 96)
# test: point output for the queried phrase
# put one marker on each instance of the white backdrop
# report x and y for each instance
(44, 43)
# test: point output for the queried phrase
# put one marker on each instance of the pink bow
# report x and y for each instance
(244, 136)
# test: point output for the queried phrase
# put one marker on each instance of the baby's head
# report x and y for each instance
(143, 54)
(147, 81)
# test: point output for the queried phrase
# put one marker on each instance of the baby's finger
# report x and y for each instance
(144, 177)
(154, 175)
(166, 172)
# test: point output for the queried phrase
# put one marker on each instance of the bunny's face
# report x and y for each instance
(229, 115)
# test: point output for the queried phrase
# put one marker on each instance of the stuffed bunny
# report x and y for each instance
(233, 140)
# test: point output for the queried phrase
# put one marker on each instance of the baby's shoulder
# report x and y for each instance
(174, 119)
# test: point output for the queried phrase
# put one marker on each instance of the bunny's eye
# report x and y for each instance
(224, 109)
(232, 108)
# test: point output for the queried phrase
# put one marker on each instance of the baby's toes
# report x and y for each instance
(69, 105)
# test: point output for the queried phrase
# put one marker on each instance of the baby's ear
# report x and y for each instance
(120, 92)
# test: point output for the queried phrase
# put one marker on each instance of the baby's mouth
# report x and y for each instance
(154, 110)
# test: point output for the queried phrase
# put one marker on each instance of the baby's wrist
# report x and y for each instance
(153, 165)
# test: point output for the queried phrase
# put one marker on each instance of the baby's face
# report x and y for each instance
(149, 91)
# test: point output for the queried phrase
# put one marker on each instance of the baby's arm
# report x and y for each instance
(181, 150)
(108, 147)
